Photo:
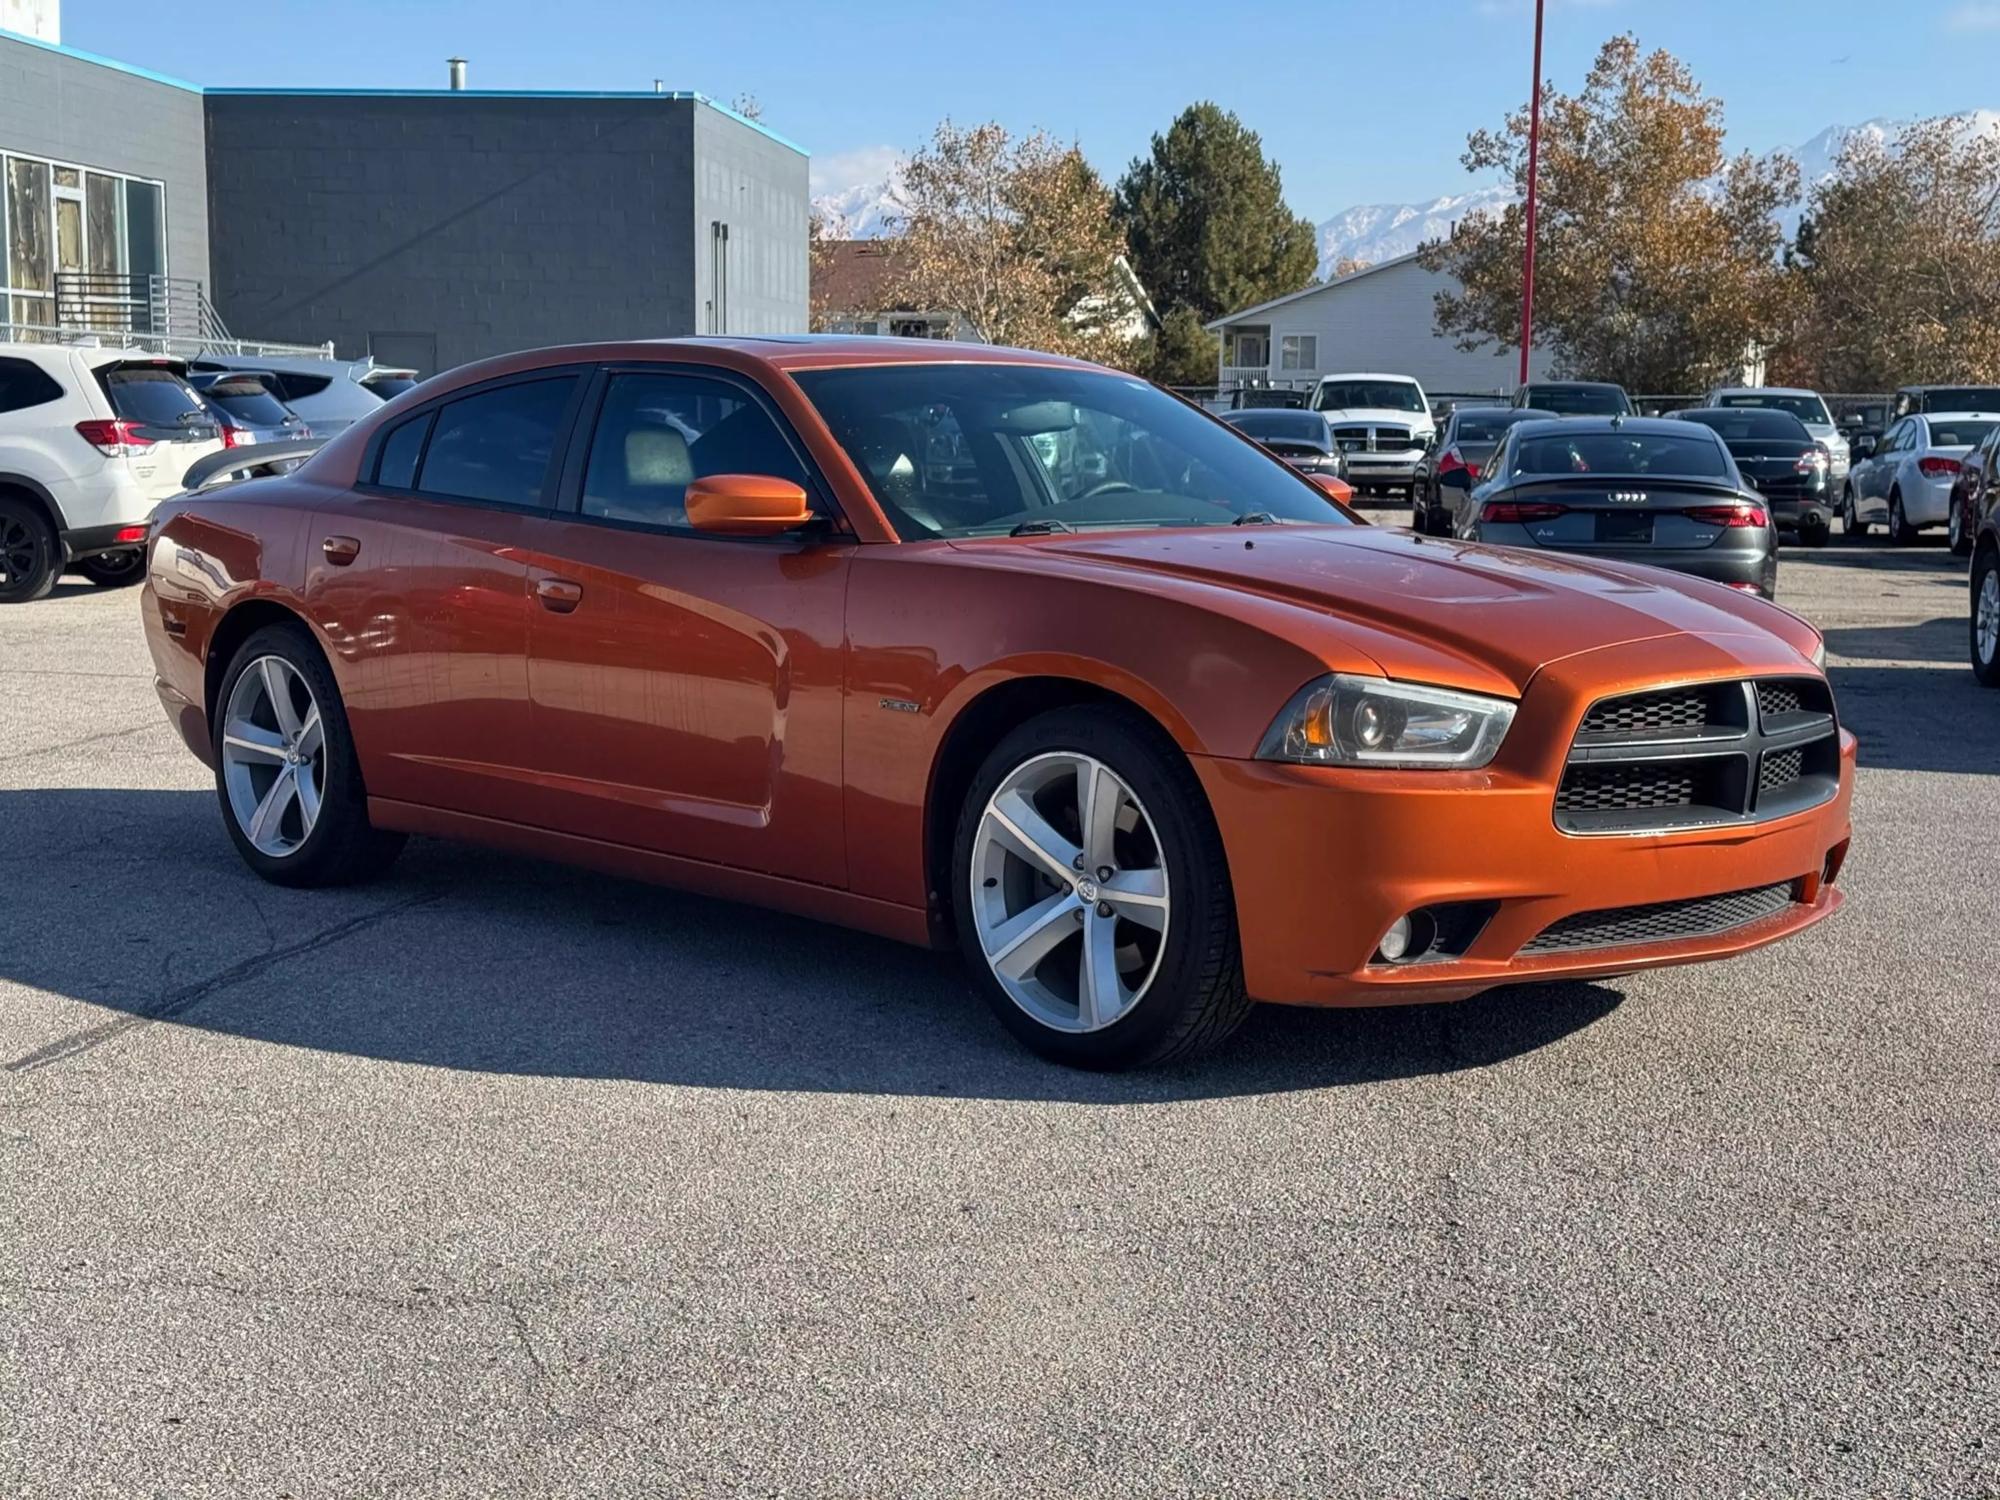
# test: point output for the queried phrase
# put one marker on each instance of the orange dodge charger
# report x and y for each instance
(976, 646)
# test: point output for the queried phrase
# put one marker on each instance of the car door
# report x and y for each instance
(687, 687)
(1871, 485)
(417, 579)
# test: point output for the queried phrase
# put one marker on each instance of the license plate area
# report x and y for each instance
(1626, 528)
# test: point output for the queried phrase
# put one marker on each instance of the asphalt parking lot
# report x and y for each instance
(498, 1178)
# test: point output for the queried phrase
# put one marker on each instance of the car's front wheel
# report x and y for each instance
(1092, 894)
(113, 570)
(1986, 617)
(1901, 532)
(285, 767)
(1957, 535)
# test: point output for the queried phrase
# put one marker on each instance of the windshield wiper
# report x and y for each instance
(1041, 528)
(1255, 518)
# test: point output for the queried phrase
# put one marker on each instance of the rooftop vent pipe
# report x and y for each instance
(457, 66)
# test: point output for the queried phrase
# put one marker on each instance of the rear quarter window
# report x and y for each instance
(24, 384)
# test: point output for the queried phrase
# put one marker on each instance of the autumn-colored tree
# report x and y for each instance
(1206, 217)
(1018, 237)
(1898, 263)
(825, 228)
(1656, 257)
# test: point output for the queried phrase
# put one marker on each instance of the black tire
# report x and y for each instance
(30, 552)
(1196, 997)
(1851, 525)
(1957, 534)
(1901, 532)
(113, 570)
(1985, 666)
(342, 847)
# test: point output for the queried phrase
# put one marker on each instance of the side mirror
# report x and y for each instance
(1339, 491)
(746, 505)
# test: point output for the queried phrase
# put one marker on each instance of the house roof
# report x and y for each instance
(1312, 291)
(851, 276)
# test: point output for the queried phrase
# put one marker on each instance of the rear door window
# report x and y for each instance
(496, 446)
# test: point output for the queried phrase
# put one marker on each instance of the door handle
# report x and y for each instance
(558, 594)
(341, 550)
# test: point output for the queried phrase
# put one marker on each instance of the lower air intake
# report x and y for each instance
(1661, 922)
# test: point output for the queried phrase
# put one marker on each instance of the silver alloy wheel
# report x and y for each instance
(273, 756)
(1069, 892)
(1986, 617)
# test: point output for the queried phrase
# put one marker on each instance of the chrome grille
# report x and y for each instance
(1697, 755)
(1662, 921)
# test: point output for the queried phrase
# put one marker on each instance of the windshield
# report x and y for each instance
(1579, 400)
(1620, 453)
(1805, 408)
(1752, 422)
(1384, 395)
(985, 449)
(1299, 426)
(1958, 434)
(1962, 398)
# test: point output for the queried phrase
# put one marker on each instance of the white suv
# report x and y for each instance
(90, 441)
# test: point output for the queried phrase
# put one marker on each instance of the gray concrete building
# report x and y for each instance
(423, 227)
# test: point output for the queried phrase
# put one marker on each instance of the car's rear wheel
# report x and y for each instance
(113, 570)
(30, 555)
(1901, 532)
(1956, 533)
(1986, 617)
(1092, 894)
(285, 767)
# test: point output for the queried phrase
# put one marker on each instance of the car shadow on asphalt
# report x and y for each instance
(467, 959)
(1940, 640)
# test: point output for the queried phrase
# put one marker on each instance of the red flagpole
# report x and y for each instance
(1534, 152)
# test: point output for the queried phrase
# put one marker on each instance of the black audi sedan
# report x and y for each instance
(1781, 460)
(1635, 489)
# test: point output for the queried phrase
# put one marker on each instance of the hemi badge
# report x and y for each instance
(901, 706)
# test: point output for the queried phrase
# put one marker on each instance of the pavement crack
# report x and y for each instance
(179, 1002)
(89, 739)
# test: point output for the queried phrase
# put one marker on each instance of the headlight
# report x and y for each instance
(1369, 721)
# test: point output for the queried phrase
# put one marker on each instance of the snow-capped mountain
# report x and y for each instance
(1379, 231)
(857, 191)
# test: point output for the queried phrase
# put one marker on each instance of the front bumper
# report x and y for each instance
(1323, 860)
(1383, 468)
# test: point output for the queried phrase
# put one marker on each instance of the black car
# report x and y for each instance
(1639, 489)
(1781, 460)
(1575, 398)
(1450, 466)
(1302, 439)
(1265, 397)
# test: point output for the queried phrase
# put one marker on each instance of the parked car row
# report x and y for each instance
(91, 439)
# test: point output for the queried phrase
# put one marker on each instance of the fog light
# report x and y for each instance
(1396, 941)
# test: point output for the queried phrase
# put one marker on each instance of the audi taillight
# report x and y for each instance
(1729, 515)
(1936, 468)
(1519, 512)
(114, 438)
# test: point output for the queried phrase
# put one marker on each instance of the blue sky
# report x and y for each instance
(1359, 101)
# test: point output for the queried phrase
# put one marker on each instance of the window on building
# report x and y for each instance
(62, 220)
(495, 446)
(1298, 351)
(657, 434)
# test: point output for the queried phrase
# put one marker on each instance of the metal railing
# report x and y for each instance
(160, 314)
